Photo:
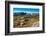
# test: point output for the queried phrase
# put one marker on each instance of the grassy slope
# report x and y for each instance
(29, 23)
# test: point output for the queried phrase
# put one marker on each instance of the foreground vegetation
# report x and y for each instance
(25, 21)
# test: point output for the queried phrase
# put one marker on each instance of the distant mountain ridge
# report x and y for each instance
(22, 13)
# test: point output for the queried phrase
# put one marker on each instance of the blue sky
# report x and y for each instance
(26, 10)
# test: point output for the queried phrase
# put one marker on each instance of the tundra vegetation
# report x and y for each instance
(25, 19)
